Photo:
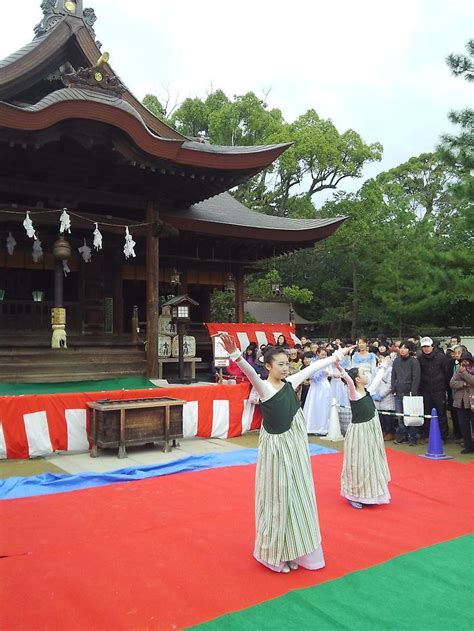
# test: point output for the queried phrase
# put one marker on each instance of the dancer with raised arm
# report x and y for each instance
(287, 527)
(365, 473)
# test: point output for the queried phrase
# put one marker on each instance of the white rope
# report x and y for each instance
(387, 413)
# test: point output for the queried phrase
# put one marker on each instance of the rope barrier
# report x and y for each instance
(387, 413)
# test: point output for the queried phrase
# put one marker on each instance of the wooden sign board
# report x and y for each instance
(221, 356)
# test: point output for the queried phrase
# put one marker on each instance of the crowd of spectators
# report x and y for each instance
(418, 366)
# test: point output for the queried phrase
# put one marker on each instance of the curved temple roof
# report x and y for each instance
(221, 212)
(80, 103)
(44, 54)
(70, 38)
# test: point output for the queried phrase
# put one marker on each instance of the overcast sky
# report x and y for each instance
(376, 67)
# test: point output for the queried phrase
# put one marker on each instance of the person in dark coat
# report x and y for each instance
(434, 380)
(405, 381)
(453, 354)
(462, 383)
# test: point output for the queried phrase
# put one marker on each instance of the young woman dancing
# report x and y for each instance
(365, 473)
(287, 527)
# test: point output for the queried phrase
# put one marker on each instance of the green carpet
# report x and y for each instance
(426, 590)
(124, 383)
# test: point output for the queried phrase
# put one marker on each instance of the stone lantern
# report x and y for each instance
(181, 315)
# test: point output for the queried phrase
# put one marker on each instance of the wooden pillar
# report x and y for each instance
(58, 283)
(239, 295)
(181, 332)
(205, 302)
(183, 287)
(152, 297)
(117, 288)
(58, 313)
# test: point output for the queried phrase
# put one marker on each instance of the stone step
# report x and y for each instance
(80, 376)
(12, 341)
(99, 363)
(70, 354)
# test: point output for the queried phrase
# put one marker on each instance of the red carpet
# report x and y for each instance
(170, 552)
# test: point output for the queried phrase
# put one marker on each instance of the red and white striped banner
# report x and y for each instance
(39, 425)
(262, 334)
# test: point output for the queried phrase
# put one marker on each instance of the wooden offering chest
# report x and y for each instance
(120, 423)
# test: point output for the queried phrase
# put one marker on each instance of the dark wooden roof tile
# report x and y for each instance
(224, 208)
(242, 149)
(83, 94)
(221, 212)
(21, 52)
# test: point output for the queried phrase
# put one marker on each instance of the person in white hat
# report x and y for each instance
(434, 381)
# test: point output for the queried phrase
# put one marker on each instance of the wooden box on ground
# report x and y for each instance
(121, 423)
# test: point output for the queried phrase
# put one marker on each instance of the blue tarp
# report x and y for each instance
(49, 483)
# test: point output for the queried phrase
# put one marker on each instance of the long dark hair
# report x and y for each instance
(253, 348)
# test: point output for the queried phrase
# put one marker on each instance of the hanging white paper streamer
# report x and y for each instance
(85, 252)
(28, 225)
(37, 250)
(66, 269)
(97, 243)
(10, 244)
(129, 244)
(65, 220)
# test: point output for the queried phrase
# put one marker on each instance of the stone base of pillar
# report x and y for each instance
(59, 337)
(58, 324)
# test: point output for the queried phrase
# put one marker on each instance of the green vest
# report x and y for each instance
(279, 410)
(363, 410)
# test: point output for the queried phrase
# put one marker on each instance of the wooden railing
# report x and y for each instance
(27, 315)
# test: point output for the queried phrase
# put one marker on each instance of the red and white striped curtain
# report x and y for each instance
(39, 425)
(244, 332)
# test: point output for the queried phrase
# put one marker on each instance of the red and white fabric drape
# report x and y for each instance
(262, 334)
(39, 425)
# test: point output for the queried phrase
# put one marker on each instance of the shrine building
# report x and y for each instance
(73, 136)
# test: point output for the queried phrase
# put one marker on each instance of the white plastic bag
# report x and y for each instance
(413, 411)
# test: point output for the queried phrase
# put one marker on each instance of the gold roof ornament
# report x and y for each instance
(96, 76)
(55, 11)
(103, 59)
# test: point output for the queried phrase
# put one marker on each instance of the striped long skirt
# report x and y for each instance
(286, 516)
(365, 473)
